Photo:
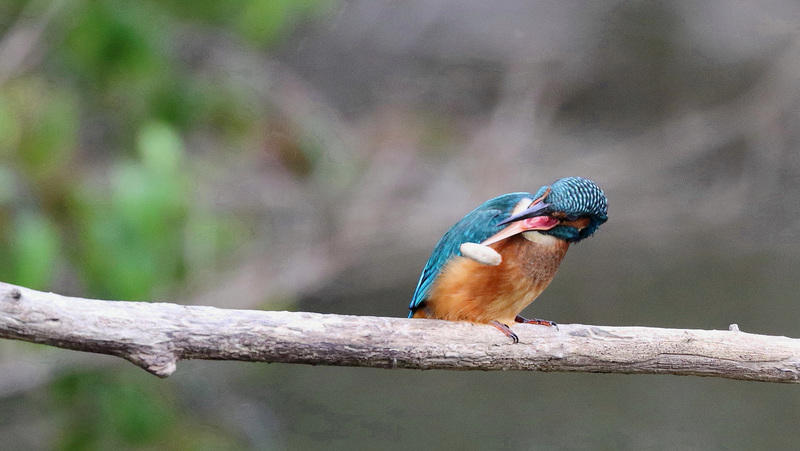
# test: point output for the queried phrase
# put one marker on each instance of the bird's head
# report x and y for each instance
(570, 209)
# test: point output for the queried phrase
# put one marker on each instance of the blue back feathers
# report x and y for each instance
(571, 197)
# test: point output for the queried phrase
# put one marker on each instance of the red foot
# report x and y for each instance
(541, 322)
(504, 329)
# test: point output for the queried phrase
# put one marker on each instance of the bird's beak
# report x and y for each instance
(532, 218)
(535, 209)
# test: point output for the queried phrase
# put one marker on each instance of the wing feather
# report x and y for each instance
(475, 227)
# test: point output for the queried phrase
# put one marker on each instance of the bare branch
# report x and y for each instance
(155, 336)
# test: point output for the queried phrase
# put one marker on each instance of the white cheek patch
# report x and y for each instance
(521, 206)
(484, 255)
(540, 238)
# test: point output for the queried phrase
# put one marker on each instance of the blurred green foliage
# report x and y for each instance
(97, 184)
(99, 406)
(131, 235)
(122, 409)
(95, 178)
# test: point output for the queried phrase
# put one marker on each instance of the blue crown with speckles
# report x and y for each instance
(577, 197)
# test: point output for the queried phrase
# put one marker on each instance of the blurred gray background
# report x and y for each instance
(313, 166)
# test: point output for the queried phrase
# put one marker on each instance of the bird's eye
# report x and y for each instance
(572, 217)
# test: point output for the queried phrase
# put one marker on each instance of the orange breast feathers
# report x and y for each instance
(469, 291)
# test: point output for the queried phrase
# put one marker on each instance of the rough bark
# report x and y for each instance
(155, 336)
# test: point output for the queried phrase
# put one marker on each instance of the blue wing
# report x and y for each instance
(477, 226)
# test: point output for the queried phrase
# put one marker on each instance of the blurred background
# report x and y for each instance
(308, 154)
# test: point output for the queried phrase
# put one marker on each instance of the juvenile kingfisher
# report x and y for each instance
(496, 260)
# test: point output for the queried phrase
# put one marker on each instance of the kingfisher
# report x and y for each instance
(496, 260)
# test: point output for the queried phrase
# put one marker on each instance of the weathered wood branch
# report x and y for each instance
(155, 336)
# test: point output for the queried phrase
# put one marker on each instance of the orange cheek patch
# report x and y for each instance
(581, 223)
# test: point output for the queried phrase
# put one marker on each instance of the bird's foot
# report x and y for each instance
(484, 255)
(506, 330)
(541, 322)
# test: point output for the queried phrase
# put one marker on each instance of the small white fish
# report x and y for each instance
(484, 255)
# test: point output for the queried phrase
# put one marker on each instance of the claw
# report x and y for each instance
(506, 330)
(541, 322)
